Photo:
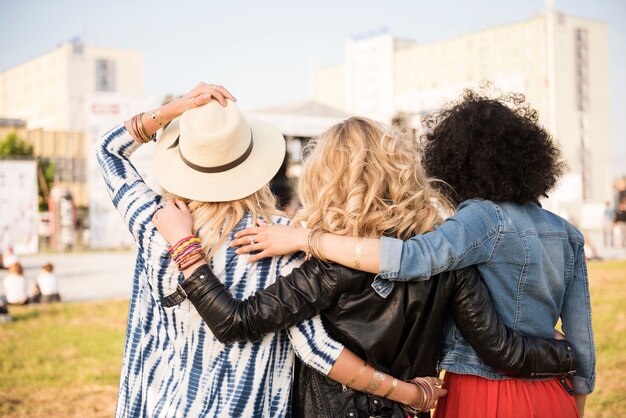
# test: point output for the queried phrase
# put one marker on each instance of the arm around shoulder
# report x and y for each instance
(300, 295)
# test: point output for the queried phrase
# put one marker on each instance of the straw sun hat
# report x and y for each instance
(213, 154)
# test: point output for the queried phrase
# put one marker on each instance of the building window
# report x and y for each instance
(105, 75)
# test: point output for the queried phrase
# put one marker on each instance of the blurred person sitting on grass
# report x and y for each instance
(220, 163)
(494, 160)
(47, 286)
(15, 286)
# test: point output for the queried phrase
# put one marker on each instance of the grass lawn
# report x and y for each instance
(64, 360)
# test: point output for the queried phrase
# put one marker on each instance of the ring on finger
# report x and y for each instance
(251, 239)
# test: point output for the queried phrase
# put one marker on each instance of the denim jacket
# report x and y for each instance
(531, 260)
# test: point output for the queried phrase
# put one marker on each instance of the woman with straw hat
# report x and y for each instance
(219, 163)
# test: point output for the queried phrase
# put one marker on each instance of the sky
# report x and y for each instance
(265, 51)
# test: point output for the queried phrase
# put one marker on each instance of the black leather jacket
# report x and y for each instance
(400, 335)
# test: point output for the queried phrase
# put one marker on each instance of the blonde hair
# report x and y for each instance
(364, 179)
(215, 220)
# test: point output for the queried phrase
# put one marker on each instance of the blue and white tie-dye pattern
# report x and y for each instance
(173, 366)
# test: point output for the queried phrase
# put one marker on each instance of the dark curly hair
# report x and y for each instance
(490, 148)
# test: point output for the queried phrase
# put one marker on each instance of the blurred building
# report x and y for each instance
(560, 62)
(54, 95)
(50, 91)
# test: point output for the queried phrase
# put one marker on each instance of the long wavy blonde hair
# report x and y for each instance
(364, 179)
(215, 220)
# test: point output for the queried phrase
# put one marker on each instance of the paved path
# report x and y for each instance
(86, 276)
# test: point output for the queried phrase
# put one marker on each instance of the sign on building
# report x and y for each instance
(19, 215)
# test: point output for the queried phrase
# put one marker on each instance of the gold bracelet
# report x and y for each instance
(394, 383)
(139, 136)
(318, 253)
(357, 253)
(134, 129)
(374, 384)
(307, 248)
(359, 374)
(142, 131)
(129, 127)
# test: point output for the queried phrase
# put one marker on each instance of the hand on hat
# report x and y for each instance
(173, 221)
(203, 93)
(150, 122)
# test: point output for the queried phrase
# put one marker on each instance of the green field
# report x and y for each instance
(64, 360)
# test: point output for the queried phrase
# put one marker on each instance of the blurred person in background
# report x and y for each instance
(15, 286)
(608, 233)
(495, 162)
(361, 178)
(47, 286)
(4, 310)
(9, 257)
(220, 163)
(620, 221)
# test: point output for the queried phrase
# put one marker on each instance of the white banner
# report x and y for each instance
(19, 215)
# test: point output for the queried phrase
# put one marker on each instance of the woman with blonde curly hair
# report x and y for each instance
(363, 179)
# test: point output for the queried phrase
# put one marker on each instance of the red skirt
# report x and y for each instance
(472, 396)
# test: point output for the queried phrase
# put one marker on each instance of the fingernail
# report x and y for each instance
(207, 95)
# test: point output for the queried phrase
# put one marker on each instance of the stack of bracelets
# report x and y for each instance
(312, 248)
(428, 397)
(186, 252)
(137, 130)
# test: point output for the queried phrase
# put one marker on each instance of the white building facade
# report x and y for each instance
(559, 62)
(51, 91)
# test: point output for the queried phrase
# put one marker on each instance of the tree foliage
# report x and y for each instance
(14, 146)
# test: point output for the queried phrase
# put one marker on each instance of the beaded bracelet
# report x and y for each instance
(181, 258)
(185, 246)
(190, 262)
(176, 248)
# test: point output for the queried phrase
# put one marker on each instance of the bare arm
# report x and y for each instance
(274, 240)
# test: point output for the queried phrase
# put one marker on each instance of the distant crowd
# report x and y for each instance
(15, 286)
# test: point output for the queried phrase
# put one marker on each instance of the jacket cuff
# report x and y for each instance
(582, 385)
(390, 257)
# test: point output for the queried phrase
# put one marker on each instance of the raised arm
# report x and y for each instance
(500, 347)
(135, 201)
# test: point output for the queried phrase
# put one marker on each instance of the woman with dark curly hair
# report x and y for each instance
(495, 162)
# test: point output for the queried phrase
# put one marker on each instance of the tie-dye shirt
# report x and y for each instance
(173, 366)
